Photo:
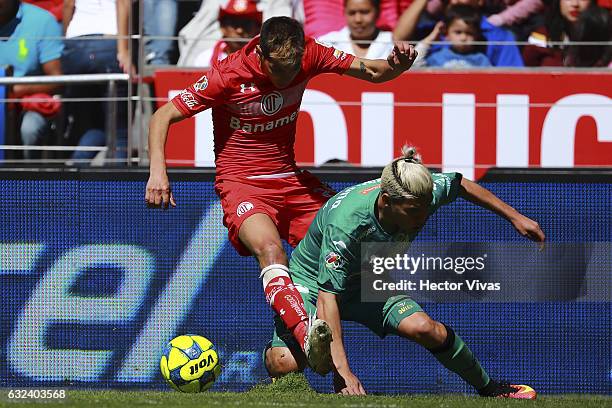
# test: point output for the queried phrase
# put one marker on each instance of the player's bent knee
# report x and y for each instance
(270, 252)
(418, 327)
(280, 361)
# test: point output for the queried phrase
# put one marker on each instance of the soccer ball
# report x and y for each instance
(190, 363)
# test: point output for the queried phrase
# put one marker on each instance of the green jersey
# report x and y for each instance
(328, 258)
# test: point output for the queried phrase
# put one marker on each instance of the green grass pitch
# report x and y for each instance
(294, 391)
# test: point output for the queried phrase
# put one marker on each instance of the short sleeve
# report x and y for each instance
(336, 257)
(446, 187)
(206, 92)
(50, 47)
(327, 59)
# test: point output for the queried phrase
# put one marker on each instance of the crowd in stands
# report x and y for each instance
(448, 33)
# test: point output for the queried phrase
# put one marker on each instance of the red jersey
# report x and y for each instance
(254, 122)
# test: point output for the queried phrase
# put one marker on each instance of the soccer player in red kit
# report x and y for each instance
(255, 96)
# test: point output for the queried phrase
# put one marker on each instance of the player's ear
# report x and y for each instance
(386, 199)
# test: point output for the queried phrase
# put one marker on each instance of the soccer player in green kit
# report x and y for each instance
(326, 268)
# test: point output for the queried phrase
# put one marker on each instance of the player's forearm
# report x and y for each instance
(486, 199)
(327, 309)
(380, 71)
(158, 133)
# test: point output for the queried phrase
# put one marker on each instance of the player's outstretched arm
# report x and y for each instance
(401, 59)
(327, 309)
(486, 199)
(158, 192)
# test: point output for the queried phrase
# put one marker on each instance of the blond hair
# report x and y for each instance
(406, 176)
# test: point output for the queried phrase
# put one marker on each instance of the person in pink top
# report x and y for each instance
(240, 20)
(255, 96)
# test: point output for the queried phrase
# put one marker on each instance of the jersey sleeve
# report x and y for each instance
(337, 254)
(446, 187)
(327, 59)
(206, 92)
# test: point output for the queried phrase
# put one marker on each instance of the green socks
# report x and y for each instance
(455, 355)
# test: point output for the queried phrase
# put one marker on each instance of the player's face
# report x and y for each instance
(571, 9)
(410, 215)
(361, 18)
(461, 36)
(280, 75)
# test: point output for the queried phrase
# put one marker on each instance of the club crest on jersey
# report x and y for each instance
(243, 208)
(201, 84)
(272, 103)
(333, 261)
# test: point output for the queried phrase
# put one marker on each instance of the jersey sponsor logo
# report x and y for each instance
(243, 208)
(188, 99)
(341, 196)
(369, 189)
(272, 103)
(201, 84)
(237, 124)
(333, 261)
(247, 87)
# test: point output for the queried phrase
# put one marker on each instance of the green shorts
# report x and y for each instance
(381, 318)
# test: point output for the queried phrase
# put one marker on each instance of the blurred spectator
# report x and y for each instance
(160, 17)
(203, 31)
(594, 24)
(93, 48)
(417, 22)
(360, 36)
(32, 48)
(52, 6)
(325, 16)
(240, 20)
(461, 27)
(511, 12)
(561, 21)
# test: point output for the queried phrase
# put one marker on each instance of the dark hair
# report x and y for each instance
(556, 24)
(594, 24)
(375, 3)
(470, 16)
(282, 38)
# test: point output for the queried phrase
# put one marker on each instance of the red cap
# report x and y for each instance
(241, 8)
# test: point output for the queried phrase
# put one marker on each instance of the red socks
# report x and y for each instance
(285, 299)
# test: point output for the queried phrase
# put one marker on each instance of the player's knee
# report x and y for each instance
(419, 327)
(280, 361)
(270, 252)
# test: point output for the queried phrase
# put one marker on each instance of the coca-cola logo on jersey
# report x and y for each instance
(272, 103)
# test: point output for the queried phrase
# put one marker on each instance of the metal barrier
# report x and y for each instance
(112, 99)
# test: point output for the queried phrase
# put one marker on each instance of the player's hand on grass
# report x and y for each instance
(402, 56)
(529, 229)
(347, 383)
(158, 192)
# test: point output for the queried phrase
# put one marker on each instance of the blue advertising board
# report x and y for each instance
(93, 284)
(2, 113)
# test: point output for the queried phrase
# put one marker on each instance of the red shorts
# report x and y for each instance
(291, 202)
